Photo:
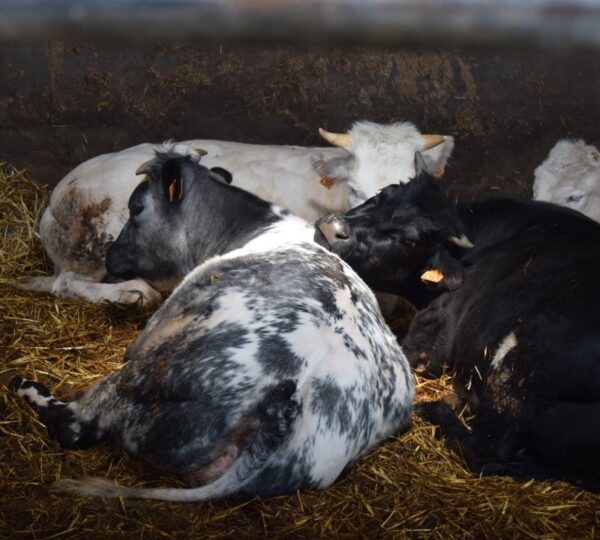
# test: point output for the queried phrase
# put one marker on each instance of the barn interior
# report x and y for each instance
(506, 81)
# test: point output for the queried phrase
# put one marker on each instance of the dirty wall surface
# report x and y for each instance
(62, 103)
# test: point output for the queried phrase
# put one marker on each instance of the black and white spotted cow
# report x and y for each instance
(269, 369)
(518, 328)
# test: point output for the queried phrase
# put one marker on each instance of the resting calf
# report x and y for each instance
(269, 369)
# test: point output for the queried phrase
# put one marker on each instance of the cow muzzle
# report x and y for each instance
(334, 229)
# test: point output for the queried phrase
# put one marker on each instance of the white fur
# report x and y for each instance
(570, 176)
(34, 397)
(286, 175)
(506, 345)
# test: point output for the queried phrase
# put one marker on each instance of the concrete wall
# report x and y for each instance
(61, 103)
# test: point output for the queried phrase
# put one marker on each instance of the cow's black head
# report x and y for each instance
(181, 214)
(394, 237)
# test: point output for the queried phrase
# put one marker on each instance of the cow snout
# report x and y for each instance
(334, 228)
(118, 263)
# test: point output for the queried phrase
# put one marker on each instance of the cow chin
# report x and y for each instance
(164, 285)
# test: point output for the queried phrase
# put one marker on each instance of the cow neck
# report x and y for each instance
(242, 219)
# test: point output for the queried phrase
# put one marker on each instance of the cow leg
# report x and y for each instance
(478, 448)
(567, 435)
(76, 287)
(59, 418)
(37, 283)
(458, 437)
(68, 285)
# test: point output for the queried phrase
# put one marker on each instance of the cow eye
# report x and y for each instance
(135, 209)
(574, 198)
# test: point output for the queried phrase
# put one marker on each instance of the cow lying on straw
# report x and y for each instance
(515, 319)
(269, 369)
(88, 208)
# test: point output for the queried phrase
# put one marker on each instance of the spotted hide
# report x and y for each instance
(269, 369)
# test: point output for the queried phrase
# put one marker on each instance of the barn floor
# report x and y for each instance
(409, 487)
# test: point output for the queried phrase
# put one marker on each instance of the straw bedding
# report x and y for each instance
(409, 487)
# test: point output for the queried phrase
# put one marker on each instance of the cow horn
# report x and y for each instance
(342, 140)
(461, 241)
(432, 140)
(200, 151)
(145, 168)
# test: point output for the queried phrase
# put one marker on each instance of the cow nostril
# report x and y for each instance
(334, 229)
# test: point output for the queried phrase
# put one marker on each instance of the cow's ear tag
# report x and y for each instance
(432, 276)
(327, 182)
(175, 190)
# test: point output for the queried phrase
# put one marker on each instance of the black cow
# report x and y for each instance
(518, 328)
(269, 369)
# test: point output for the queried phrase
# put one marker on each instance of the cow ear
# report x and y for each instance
(442, 271)
(436, 158)
(223, 175)
(420, 166)
(172, 180)
(332, 170)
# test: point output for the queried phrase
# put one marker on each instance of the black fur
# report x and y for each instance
(209, 219)
(532, 282)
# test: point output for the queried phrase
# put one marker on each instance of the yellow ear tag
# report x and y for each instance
(432, 276)
(327, 182)
(173, 191)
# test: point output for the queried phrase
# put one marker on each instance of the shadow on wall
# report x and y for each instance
(62, 103)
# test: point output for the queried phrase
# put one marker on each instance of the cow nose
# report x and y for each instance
(334, 229)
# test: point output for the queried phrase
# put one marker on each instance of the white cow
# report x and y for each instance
(88, 207)
(570, 176)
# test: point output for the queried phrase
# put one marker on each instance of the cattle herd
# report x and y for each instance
(270, 368)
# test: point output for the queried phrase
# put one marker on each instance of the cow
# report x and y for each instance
(513, 318)
(88, 207)
(570, 176)
(269, 369)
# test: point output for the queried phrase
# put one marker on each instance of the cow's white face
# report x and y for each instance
(582, 195)
(570, 177)
(380, 155)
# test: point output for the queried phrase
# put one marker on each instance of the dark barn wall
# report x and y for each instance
(62, 103)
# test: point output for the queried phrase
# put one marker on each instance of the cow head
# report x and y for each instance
(570, 176)
(395, 237)
(379, 155)
(181, 214)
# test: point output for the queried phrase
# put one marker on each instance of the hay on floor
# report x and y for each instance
(409, 487)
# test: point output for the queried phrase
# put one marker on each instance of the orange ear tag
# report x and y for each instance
(171, 191)
(432, 276)
(327, 182)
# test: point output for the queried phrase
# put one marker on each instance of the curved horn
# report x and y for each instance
(145, 168)
(342, 140)
(432, 140)
(461, 241)
(200, 151)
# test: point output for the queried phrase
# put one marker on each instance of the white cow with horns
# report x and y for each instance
(88, 207)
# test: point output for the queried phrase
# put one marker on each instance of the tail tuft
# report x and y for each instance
(90, 487)
(37, 283)
(14, 385)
